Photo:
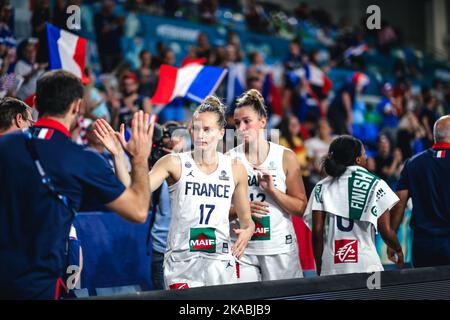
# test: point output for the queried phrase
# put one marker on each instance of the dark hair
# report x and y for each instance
(342, 153)
(214, 105)
(252, 98)
(9, 109)
(56, 91)
(284, 130)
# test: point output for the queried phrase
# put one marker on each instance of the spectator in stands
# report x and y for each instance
(27, 68)
(411, 137)
(60, 15)
(387, 38)
(207, 11)
(6, 20)
(14, 115)
(317, 148)
(424, 179)
(96, 106)
(147, 77)
(340, 111)
(290, 138)
(257, 65)
(302, 11)
(389, 110)
(387, 161)
(131, 101)
(7, 56)
(41, 15)
(255, 17)
(294, 59)
(428, 116)
(234, 40)
(203, 49)
(108, 30)
(175, 109)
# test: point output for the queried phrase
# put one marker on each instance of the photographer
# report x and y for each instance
(161, 212)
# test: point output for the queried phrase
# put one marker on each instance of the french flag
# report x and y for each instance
(194, 81)
(440, 154)
(356, 51)
(45, 134)
(318, 78)
(236, 83)
(66, 51)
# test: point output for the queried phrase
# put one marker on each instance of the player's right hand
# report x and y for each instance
(108, 137)
(259, 208)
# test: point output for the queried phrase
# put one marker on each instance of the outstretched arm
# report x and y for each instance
(133, 203)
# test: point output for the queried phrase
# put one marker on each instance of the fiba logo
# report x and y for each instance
(74, 20)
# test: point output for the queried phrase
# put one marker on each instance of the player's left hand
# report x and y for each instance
(243, 237)
(396, 257)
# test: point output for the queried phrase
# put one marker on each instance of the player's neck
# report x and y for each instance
(256, 153)
(205, 158)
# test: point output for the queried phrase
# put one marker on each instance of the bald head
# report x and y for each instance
(441, 130)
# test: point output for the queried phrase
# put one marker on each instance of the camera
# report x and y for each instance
(161, 140)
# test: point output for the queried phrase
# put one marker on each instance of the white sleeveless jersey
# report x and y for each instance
(274, 232)
(349, 246)
(200, 206)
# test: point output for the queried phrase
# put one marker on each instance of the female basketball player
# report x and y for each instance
(202, 186)
(276, 192)
(348, 206)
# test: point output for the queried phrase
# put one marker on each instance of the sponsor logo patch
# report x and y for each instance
(345, 251)
(203, 240)
(262, 228)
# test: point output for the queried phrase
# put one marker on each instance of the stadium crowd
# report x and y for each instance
(395, 127)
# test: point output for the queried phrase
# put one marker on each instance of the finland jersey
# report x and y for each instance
(200, 208)
(274, 232)
(349, 247)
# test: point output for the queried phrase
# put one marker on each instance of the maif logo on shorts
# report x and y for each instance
(345, 251)
(262, 228)
(202, 239)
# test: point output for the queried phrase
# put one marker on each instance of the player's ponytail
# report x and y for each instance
(342, 153)
(252, 98)
(214, 105)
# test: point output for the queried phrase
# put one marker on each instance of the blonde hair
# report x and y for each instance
(252, 98)
(214, 105)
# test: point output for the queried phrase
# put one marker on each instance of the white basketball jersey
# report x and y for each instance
(200, 206)
(349, 247)
(274, 232)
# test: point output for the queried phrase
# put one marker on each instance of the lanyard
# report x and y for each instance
(44, 177)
